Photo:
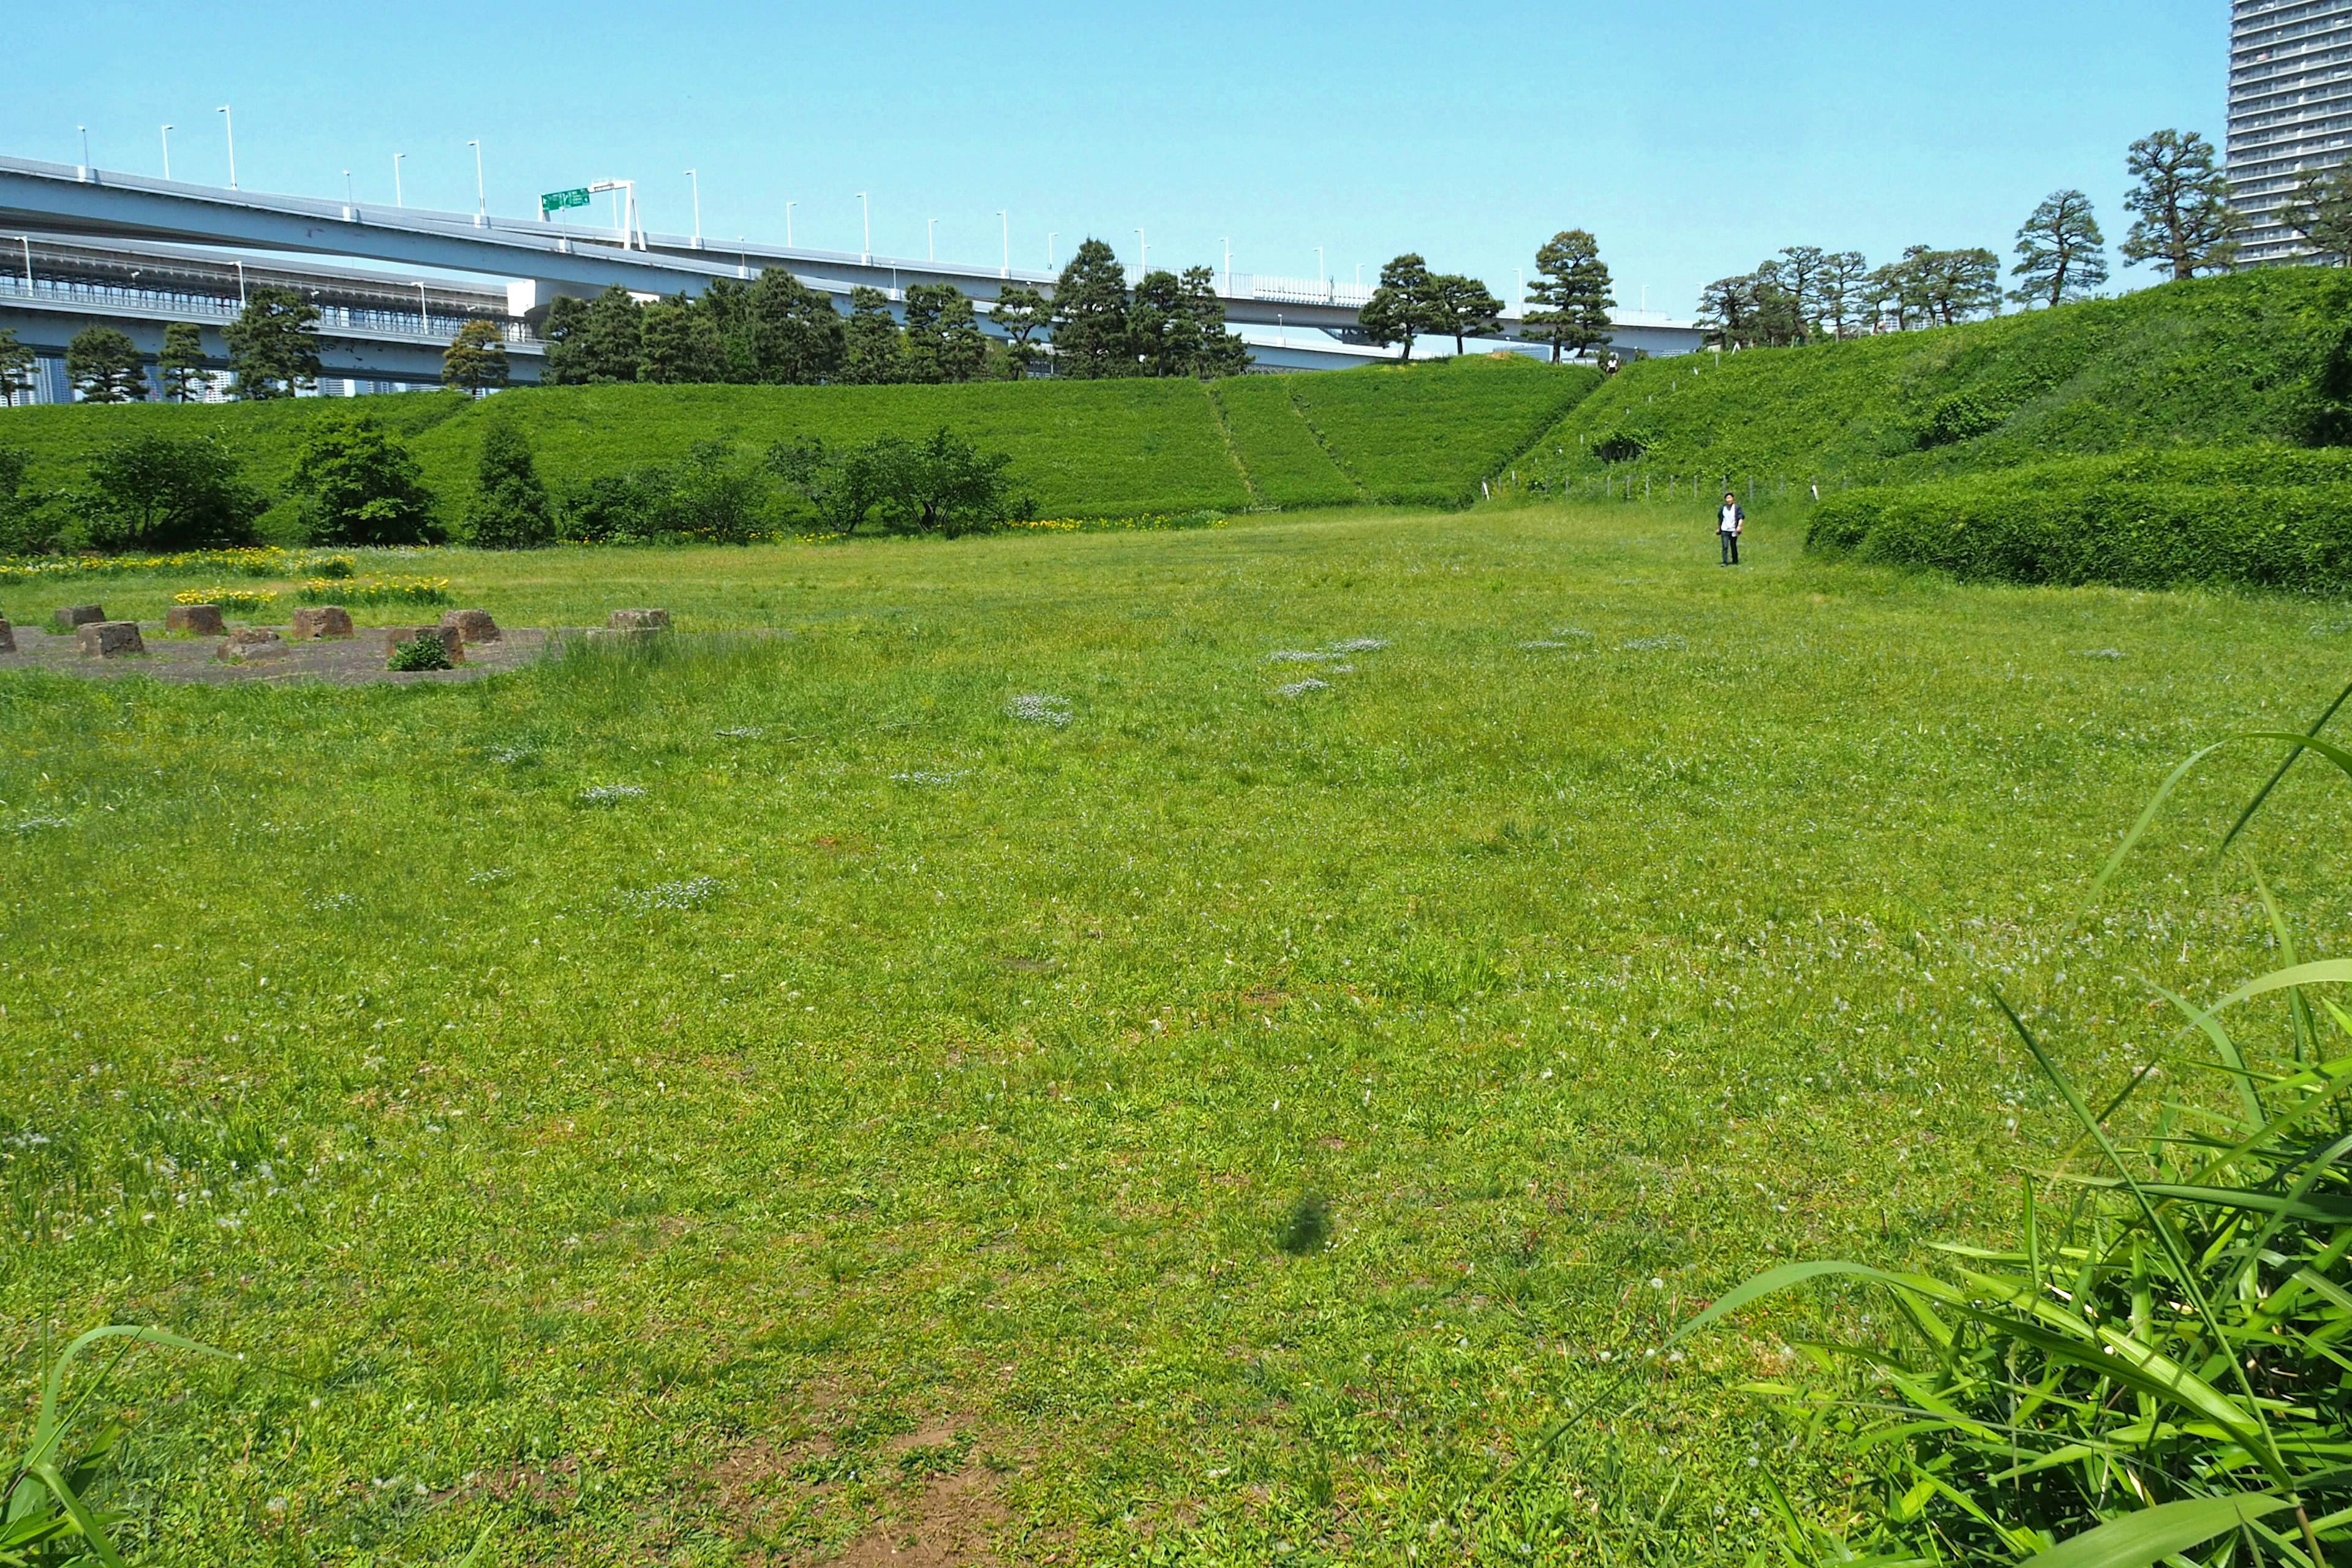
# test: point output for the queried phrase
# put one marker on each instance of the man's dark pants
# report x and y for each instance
(1730, 549)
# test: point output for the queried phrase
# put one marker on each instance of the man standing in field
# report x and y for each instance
(1728, 524)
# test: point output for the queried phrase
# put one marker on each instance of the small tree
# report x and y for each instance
(1215, 350)
(943, 485)
(476, 359)
(2061, 254)
(681, 345)
(509, 508)
(607, 346)
(163, 493)
(1463, 307)
(1162, 334)
(796, 334)
(1026, 319)
(273, 346)
(1404, 307)
(1800, 268)
(181, 366)
(2321, 211)
(2182, 202)
(104, 367)
(362, 487)
(876, 354)
(842, 485)
(17, 363)
(1726, 313)
(1091, 339)
(1958, 285)
(1572, 288)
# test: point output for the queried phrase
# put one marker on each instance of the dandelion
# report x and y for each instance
(1301, 688)
(610, 794)
(326, 902)
(686, 895)
(511, 754)
(1035, 707)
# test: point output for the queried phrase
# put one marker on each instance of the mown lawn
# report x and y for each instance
(786, 1092)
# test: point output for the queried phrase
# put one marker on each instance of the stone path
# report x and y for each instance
(344, 661)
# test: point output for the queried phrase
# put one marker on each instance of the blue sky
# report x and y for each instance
(1695, 137)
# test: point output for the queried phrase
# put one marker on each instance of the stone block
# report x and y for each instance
(203, 620)
(476, 624)
(74, 616)
(322, 621)
(451, 639)
(249, 636)
(7, 637)
(253, 642)
(109, 639)
(639, 620)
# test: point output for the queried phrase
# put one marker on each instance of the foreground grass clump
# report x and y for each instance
(948, 1042)
(2256, 516)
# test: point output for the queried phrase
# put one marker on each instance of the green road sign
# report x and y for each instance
(555, 201)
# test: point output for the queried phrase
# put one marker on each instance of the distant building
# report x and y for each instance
(2290, 110)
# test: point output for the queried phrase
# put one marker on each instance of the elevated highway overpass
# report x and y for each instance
(1295, 323)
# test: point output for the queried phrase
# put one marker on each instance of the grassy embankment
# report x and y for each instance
(890, 1112)
(1425, 434)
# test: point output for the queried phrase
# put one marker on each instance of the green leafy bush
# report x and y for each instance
(1619, 447)
(509, 510)
(420, 653)
(159, 492)
(2272, 517)
(364, 486)
(713, 497)
(2154, 1362)
(1959, 416)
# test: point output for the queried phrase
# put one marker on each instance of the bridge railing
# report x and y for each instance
(1295, 290)
(434, 326)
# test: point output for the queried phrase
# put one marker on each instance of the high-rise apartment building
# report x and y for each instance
(2290, 110)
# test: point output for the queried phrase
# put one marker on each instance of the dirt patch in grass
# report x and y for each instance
(950, 1524)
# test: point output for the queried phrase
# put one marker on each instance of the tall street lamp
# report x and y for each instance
(696, 180)
(867, 208)
(481, 191)
(228, 126)
(931, 238)
(85, 149)
(1143, 248)
(788, 224)
(1003, 216)
(396, 198)
(1049, 249)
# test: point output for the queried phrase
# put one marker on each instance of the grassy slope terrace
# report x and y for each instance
(2218, 360)
(1425, 435)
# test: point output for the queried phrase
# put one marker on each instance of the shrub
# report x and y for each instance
(362, 486)
(420, 653)
(1957, 417)
(23, 526)
(2272, 517)
(941, 485)
(712, 497)
(1619, 447)
(163, 493)
(509, 510)
(2154, 1362)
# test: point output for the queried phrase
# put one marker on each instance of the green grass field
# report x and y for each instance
(768, 1096)
(1427, 434)
(2224, 359)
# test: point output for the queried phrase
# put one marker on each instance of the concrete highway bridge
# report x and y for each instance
(136, 252)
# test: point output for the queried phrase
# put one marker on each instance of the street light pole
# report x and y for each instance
(85, 149)
(423, 321)
(1005, 216)
(481, 191)
(931, 238)
(1318, 266)
(1143, 263)
(1050, 235)
(167, 152)
(867, 208)
(397, 200)
(697, 179)
(228, 124)
(1229, 268)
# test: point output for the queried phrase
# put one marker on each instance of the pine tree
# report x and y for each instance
(1090, 332)
(273, 347)
(475, 359)
(2321, 211)
(104, 367)
(875, 355)
(17, 364)
(682, 345)
(943, 339)
(181, 365)
(1571, 286)
(1025, 317)
(796, 334)
(509, 510)
(2182, 200)
(608, 342)
(2061, 254)
(1463, 307)
(1404, 307)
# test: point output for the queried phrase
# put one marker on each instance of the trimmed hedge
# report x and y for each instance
(2260, 516)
